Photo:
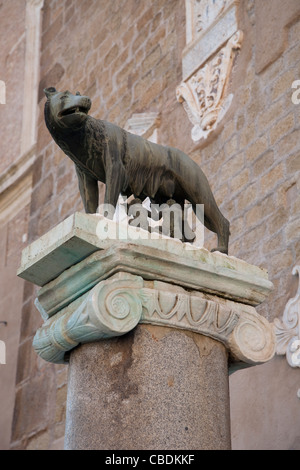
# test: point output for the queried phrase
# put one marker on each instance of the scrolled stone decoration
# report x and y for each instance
(115, 306)
(111, 308)
(252, 340)
(287, 328)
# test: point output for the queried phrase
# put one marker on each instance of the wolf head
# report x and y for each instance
(65, 110)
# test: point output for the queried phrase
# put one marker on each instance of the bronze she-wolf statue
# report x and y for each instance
(127, 163)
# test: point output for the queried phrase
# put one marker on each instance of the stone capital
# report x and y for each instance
(116, 305)
(94, 289)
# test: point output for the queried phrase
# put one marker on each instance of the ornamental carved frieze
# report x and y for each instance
(203, 95)
(287, 328)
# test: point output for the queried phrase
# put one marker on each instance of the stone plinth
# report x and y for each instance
(150, 327)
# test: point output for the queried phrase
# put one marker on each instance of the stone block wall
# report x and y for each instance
(126, 55)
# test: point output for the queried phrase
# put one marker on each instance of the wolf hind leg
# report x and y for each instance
(223, 233)
(221, 227)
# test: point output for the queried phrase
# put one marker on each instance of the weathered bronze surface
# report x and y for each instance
(127, 163)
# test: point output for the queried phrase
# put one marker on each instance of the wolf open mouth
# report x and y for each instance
(73, 110)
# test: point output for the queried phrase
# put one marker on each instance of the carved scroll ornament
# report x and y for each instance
(287, 329)
(203, 94)
(111, 308)
(115, 306)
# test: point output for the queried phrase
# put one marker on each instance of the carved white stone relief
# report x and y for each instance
(212, 41)
(144, 124)
(115, 306)
(287, 329)
(203, 95)
(200, 14)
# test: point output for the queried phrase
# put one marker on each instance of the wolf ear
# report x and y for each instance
(50, 91)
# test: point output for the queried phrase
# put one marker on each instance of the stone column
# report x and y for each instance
(154, 388)
(150, 329)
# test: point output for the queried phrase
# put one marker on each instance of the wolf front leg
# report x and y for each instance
(88, 187)
(114, 182)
